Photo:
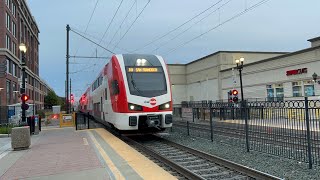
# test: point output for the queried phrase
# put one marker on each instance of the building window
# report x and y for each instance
(8, 91)
(270, 93)
(13, 9)
(14, 69)
(8, 21)
(14, 29)
(296, 89)
(8, 63)
(275, 92)
(8, 3)
(14, 89)
(279, 92)
(8, 41)
(10, 67)
(14, 48)
(308, 88)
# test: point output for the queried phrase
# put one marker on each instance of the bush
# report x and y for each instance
(5, 129)
(41, 113)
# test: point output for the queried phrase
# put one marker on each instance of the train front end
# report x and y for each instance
(147, 101)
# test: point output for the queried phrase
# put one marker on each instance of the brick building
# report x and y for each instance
(17, 25)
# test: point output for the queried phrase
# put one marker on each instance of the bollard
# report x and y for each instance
(76, 120)
(88, 120)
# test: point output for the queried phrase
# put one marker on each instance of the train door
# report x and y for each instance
(106, 104)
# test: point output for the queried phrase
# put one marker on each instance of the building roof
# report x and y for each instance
(215, 53)
(278, 57)
(314, 39)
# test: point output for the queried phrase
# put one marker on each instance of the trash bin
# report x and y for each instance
(31, 124)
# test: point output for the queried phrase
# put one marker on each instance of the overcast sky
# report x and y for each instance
(273, 26)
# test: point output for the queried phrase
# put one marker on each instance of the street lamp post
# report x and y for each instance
(239, 63)
(23, 50)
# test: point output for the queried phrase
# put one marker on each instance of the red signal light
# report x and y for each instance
(24, 97)
(235, 92)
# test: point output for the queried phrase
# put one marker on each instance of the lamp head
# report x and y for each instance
(241, 59)
(237, 61)
(314, 76)
(23, 47)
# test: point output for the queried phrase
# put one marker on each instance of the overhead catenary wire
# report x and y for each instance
(98, 44)
(132, 24)
(178, 27)
(170, 40)
(105, 32)
(122, 23)
(87, 26)
(220, 24)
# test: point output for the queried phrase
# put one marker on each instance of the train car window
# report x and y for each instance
(115, 87)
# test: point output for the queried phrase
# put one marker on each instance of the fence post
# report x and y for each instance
(204, 114)
(88, 120)
(306, 106)
(211, 125)
(244, 110)
(198, 114)
(188, 128)
(193, 114)
(76, 120)
(261, 112)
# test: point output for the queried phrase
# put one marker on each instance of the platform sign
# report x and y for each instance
(66, 120)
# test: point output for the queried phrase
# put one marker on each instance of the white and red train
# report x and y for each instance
(132, 92)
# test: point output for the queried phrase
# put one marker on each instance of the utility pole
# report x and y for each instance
(67, 71)
(70, 98)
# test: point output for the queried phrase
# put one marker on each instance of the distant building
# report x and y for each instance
(17, 25)
(266, 75)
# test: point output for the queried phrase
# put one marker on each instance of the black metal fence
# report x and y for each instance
(288, 129)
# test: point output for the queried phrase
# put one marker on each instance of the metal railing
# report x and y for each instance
(288, 129)
(82, 121)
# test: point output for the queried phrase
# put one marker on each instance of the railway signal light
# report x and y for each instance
(24, 99)
(235, 98)
(71, 98)
(230, 96)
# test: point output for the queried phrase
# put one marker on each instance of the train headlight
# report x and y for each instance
(167, 105)
(134, 107)
(164, 106)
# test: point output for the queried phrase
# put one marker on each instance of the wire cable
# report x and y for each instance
(121, 23)
(170, 40)
(98, 44)
(105, 32)
(131, 24)
(94, 9)
(220, 24)
(186, 22)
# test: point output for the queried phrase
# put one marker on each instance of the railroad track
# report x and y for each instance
(187, 163)
(274, 138)
(191, 163)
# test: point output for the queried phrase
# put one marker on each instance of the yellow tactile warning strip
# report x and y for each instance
(106, 158)
(142, 165)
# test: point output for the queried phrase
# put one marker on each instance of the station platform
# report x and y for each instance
(63, 153)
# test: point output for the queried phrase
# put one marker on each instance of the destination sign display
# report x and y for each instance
(143, 69)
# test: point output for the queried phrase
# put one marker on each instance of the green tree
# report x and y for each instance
(51, 100)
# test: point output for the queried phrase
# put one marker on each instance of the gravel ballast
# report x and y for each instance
(275, 165)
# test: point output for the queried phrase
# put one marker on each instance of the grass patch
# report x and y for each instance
(6, 129)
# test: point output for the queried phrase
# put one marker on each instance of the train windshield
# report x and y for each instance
(145, 75)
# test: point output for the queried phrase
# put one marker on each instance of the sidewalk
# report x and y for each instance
(55, 154)
(63, 153)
